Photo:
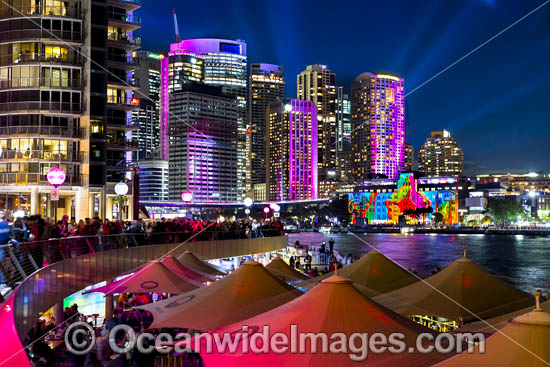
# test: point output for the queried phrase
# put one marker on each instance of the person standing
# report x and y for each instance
(331, 245)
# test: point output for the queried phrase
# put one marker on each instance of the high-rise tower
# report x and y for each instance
(266, 85)
(377, 125)
(440, 155)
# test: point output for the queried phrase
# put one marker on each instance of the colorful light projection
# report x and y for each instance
(386, 207)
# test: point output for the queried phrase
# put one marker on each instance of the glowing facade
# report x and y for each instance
(225, 66)
(385, 202)
(318, 84)
(291, 155)
(267, 84)
(378, 125)
(203, 144)
(440, 155)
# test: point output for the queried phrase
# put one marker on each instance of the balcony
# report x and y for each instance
(122, 62)
(37, 179)
(42, 155)
(121, 144)
(43, 58)
(129, 5)
(119, 40)
(62, 107)
(38, 35)
(121, 123)
(69, 11)
(58, 131)
(126, 21)
(57, 83)
(120, 102)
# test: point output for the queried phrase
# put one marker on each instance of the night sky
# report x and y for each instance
(495, 102)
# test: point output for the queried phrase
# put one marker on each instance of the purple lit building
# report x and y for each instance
(378, 126)
(224, 65)
(203, 144)
(291, 152)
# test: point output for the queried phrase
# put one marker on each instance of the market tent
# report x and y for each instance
(373, 271)
(192, 261)
(177, 267)
(459, 290)
(246, 292)
(490, 326)
(334, 306)
(523, 342)
(283, 271)
(153, 277)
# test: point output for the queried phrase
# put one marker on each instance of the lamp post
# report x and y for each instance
(55, 176)
(266, 211)
(121, 189)
(186, 197)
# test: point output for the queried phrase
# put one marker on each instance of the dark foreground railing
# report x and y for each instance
(19, 260)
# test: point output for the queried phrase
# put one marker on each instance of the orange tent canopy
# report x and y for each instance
(333, 306)
(373, 271)
(283, 271)
(523, 342)
(192, 261)
(246, 292)
(152, 277)
(177, 267)
(466, 288)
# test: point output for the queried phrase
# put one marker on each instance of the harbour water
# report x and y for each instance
(523, 261)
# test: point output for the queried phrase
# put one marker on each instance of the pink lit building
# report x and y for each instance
(291, 153)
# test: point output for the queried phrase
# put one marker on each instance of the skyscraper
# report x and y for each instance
(177, 70)
(203, 144)
(343, 123)
(266, 85)
(318, 84)
(378, 125)
(440, 155)
(409, 158)
(291, 154)
(147, 116)
(58, 109)
(225, 65)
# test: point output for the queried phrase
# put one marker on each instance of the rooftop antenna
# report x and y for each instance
(176, 27)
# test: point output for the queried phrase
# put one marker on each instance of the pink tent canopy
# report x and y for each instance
(152, 277)
(333, 306)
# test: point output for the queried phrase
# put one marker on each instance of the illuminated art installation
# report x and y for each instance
(386, 207)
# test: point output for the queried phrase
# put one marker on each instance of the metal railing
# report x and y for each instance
(122, 100)
(37, 34)
(10, 154)
(63, 131)
(57, 11)
(125, 18)
(73, 108)
(114, 36)
(22, 179)
(18, 260)
(28, 82)
(24, 57)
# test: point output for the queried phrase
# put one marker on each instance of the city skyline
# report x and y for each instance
(414, 55)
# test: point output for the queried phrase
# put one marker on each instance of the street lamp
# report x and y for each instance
(186, 197)
(55, 176)
(248, 202)
(266, 211)
(121, 189)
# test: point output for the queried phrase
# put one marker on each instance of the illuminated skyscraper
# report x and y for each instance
(147, 117)
(318, 84)
(266, 84)
(225, 65)
(203, 144)
(440, 155)
(66, 102)
(409, 158)
(177, 70)
(291, 154)
(378, 125)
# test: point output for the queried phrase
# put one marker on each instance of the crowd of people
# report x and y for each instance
(48, 241)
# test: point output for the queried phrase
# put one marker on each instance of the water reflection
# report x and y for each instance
(521, 260)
